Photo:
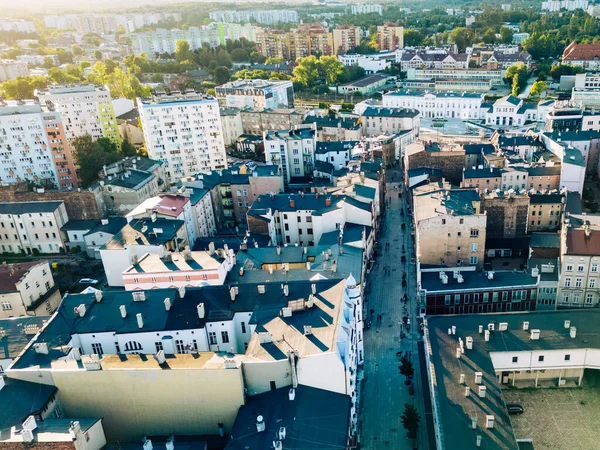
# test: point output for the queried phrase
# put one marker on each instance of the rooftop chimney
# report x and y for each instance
(467, 391)
(292, 394)
(525, 326)
(482, 390)
(286, 290)
(81, 310)
(201, 311)
(489, 421)
(278, 250)
(328, 201)
(478, 377)
(567, 324)
(167, 304)
(123, 310)
(233, 291)
(469, 343)
(292, 204)
(140, 320)
(535, 335)
(260, 424)
(462, 378)
(573, 332)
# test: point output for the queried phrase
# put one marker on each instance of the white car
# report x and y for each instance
(88, 281)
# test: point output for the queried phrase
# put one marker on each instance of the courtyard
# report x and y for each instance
(559, 418)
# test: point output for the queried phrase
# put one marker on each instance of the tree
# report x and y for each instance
(306, 72)
(489, 37)
(157, 78)
(506, 35)
(60, 76)
(240, 55)
(277, 60)
(224, 58)
(77, 50)
(406, 367)
(23, 87)
(462, 37)
(126, 85)
(127, 149)
(333, 69)
(221, 75)
(92, 155)
(538, 88)
(182, 51)
(98, 55)
(64, 57)
(517, 76)
(564, 69)
(412, 38)
(48, 63)
(411, 420)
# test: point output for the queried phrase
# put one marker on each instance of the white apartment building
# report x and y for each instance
(366, 8)
(370, 64)
(264, 17)
(165, 41)
(256, 94)
(108, 23)
(434, 60)
(463, 105)
(390, 121)
(233, 128)
(586, 90)
(85, 109)
(292, 151)
(579, 277)
(187, 269)
(455, 74)
(20, 26)
(11, 69)
(184, 131)
(513, 112)
(27, 290)
(568, 5)
(32, 227)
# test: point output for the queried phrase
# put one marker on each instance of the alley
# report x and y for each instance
(384, 392)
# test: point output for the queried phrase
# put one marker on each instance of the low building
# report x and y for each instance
(34, 227)
(231, 121)
(364, 86)
(338, 153)
(495, 76)
(547, 268)
(256, 94)
(102, 232)
(332, 128)
(582, 55)
(370, 64)
(11, 69)
(472, 357)
(292, 151)
(545, 212)
(431, 60)
(450, 159)
(461, 105)
(28, 289)
(257, 122)
(175, 270)
(293, 416)
(376, 121)
(513, 112)
(124, 191)
(138, 237)
(450, 226)
(460, 291)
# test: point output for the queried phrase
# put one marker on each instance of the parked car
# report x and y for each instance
(515, 408)
(88, 281)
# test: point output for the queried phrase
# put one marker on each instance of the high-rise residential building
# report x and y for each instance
(33, 145)
(366, 8)
(569, 5)
(390, 36)
(109, 23)
(85, 109)
(293, 151)
(267, 17)
(256, 94)
(20, 26)
(165, 41)
(308, 39)
(184, 131)
(11, 69)
(345, 38)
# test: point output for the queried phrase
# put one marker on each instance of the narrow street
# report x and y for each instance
(384, 392)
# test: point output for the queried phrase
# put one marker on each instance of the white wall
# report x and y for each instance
(116, 261)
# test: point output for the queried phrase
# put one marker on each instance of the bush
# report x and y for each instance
(35, 252)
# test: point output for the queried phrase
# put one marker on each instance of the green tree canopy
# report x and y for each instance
(182, 51)
(538, 88)
(221, 75)
(506, 35)
(411, 420)
(462, 37)
(77, 50)
(23, 88)
(307, 71)
(92, 155)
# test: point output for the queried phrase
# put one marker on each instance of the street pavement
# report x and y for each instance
(384, 392)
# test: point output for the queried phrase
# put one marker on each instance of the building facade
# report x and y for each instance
(256, 94)
(461, 105)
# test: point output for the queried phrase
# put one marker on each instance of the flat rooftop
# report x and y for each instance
(195, 261)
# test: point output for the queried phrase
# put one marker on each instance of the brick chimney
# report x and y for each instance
(292, 204)
(328, 201)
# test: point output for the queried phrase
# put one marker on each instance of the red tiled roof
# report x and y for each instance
(580, 244)
(585, 52)
(171, 205)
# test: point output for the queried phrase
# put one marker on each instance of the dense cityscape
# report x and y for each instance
(285, 225)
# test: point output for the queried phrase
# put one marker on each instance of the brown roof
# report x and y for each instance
(12, 273)
(580, 244)
(575, 52)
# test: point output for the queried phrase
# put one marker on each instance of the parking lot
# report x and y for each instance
(559, 419)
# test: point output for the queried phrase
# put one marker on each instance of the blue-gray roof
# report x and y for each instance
(390, 112)
(551, 240)
(28, 207)
(473, 280)
(19, 400)
(334, 146)
(347, 123)
(145, 231)
(492, 172)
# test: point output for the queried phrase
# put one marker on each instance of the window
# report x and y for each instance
(567, 357)
(495, 297)
(474, 246)
(309, 219)
(474, 232)
(243, 324)
(212, 338)
(504, 296)
(443, 221)
(225, 337)
(473, 259)
(580, 268)
(541, 358)
(26, 285)
(589, 299)
(594, 268)
(6, 306)
(467, 298)
(569, 268)
(576, 298)
(486, 297)
(568, 282)
(447, 300)
(187, 278)
(180, 346)
(159, 346)
(132, 345)
(476, 298)
(578, 282)
(592, 283)
(515, 359)
(97, 349)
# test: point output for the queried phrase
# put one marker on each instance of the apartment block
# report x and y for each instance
(256, 94)
(345, 38)
(27, 290)
(292, 151)
(305, 40)
(34, 146)
(85, 109)
(11, 69)
(438, 104)
(366, 8)
(32, 227)
(545, 212)
(183, 130)
(257, 122)
(434, 60)
(264, 17)
(450, 226)
(387, 120)
(390, 36)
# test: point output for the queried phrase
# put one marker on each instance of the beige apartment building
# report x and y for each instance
(390, 36)
(345, 39)
(545, 211)
(449, 226)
